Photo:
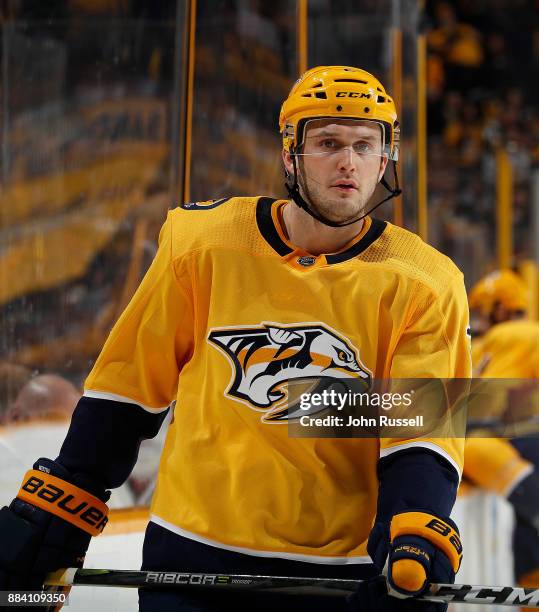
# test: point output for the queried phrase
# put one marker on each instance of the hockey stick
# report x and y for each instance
(331, 587)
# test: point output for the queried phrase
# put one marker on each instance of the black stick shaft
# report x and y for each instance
(329, 587)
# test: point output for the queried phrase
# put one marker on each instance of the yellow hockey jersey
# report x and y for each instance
(508, 351)
(227, 314)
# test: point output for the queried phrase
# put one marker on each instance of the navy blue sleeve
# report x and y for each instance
(415, 479)
(104, 438)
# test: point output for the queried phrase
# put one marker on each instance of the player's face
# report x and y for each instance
(341, 166)
(479, 322)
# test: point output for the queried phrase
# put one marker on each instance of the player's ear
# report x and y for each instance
(287, 161)
(383, 166)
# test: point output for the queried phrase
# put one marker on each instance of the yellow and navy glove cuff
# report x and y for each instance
(442, 533)
(51, 488)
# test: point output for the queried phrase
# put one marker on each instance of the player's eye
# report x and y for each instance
(328, 144)
(363, 148)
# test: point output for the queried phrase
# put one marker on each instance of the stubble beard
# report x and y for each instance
(334, 208)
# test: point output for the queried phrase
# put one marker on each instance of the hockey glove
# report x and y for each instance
(48, 525)
(420, 548)
(423, 549)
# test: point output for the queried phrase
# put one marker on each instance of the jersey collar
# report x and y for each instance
(266, 221)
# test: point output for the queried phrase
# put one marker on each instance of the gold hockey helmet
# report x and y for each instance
(503, 287)
(342, 92)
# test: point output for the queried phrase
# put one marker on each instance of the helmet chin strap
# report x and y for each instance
(295, 195)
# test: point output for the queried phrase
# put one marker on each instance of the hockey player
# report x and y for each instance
(37, 421)
(245, 296)
(509, 349)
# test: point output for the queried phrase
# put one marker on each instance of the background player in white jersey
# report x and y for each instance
(36, 422)
(245, 297)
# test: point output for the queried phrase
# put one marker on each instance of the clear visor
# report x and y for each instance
(329, 137)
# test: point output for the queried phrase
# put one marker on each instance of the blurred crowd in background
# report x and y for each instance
(482, 95)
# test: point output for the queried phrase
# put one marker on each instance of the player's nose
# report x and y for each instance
(346, 159)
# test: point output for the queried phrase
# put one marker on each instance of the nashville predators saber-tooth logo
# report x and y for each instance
(266, 358)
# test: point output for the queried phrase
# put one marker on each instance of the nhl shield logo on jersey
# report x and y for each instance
(266, 358)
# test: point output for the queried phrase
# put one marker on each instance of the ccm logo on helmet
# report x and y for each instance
(66, 502)
(352, 94)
